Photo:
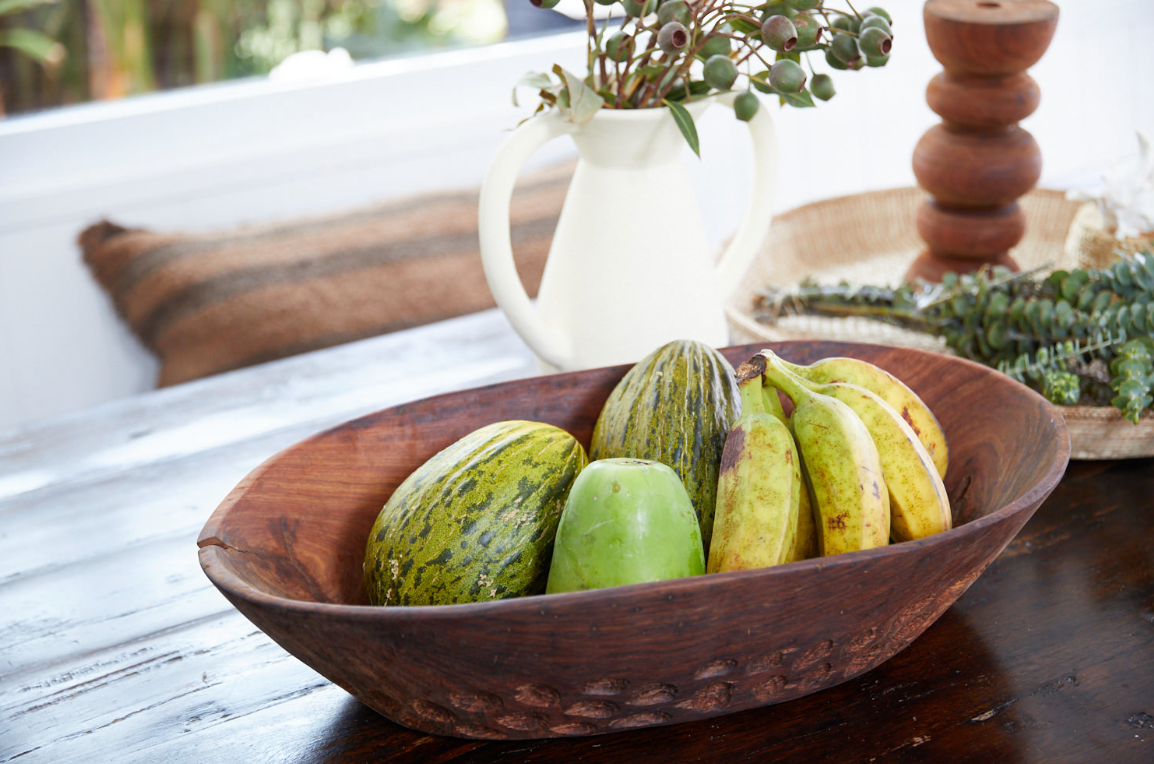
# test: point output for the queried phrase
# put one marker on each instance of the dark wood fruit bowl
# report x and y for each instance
(287, 544)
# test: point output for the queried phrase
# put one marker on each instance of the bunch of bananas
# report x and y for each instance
(844, 471)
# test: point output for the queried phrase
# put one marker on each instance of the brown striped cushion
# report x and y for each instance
(208, 303)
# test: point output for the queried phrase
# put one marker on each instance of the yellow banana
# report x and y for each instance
(918, 503)
(842, 463)
(758, 490)
(890, 389)
(805, 541)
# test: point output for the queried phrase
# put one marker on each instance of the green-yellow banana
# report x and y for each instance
(758, 490)
(805, 541)
(918, 503)
(842, 464)
(890, 389)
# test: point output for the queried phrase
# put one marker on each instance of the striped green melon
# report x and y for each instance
(675, 407)
(476, 521)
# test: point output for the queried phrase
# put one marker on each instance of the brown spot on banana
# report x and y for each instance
(910, 421)
(731, 454)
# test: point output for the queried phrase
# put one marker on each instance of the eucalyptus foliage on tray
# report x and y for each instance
(669, 52)
(1079, 337)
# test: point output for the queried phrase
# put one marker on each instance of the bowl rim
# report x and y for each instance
(230, 583)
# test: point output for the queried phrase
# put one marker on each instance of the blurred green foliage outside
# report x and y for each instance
(56, 52)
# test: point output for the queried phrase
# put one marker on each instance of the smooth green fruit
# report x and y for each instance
(619, 46)
(674, 10)
(841, 22)
(804, 5)
(626, 521)
(672, 37)
(779, 33)
(875, 42)
(720, 73)
(833, 61)
(787, 76)
(808, 31)
(876, 11)
(878, 22)
(675, 407)
(760, 487)
(545, 3)
(605, 2)
(745, 106)
(822, 87)
(876, 62)
(845, 49)
(779, 8)
(476, 521)
(638, 8)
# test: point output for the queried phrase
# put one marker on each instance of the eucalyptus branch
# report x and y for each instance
(685, 51)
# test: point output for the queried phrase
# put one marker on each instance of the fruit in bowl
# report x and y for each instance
(286, 547)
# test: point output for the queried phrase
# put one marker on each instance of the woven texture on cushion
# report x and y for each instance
(208, 303)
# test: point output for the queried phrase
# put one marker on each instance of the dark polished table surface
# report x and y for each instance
(115, 647)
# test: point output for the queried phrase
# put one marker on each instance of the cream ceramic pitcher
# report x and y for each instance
(629, 268)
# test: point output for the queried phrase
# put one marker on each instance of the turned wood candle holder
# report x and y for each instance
(978, 161)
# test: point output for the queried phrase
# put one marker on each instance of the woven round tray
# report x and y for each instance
(872, 239)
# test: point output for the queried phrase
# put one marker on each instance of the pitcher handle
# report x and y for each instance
(496, 242)
(750, 235)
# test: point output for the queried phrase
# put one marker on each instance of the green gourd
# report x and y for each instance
(675, 407)
(626, 521)
(476, 521)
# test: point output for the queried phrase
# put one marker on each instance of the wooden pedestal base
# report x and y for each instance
(978, 161)
(930, 266)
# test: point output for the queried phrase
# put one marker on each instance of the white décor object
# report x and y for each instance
(311, 65)
(629, 268)
(1126, 200)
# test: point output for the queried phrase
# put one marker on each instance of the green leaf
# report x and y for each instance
(743, 25)
(696, 88)
(584, 102)
(760, 82)
(535, 80)
(684, 124)
(39, 47)
(800, 100)
(16, 6)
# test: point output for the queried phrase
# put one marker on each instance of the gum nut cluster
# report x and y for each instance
(720, 72)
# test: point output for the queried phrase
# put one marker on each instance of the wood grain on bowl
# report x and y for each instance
(287, 544)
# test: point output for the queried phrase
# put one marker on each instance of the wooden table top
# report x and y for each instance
(115, 647)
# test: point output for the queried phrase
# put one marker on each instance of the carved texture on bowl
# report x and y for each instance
(614, 703)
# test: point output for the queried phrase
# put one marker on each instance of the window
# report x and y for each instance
(57, 52)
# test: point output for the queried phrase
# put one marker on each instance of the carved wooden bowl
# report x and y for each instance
(287, 544)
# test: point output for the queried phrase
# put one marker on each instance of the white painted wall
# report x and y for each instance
(223, 155)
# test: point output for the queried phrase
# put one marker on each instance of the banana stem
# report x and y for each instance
(773, 403)
(783, 378)
(752, 401)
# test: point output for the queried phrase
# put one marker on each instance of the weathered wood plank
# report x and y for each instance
(1045, 658)
(321, 388)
